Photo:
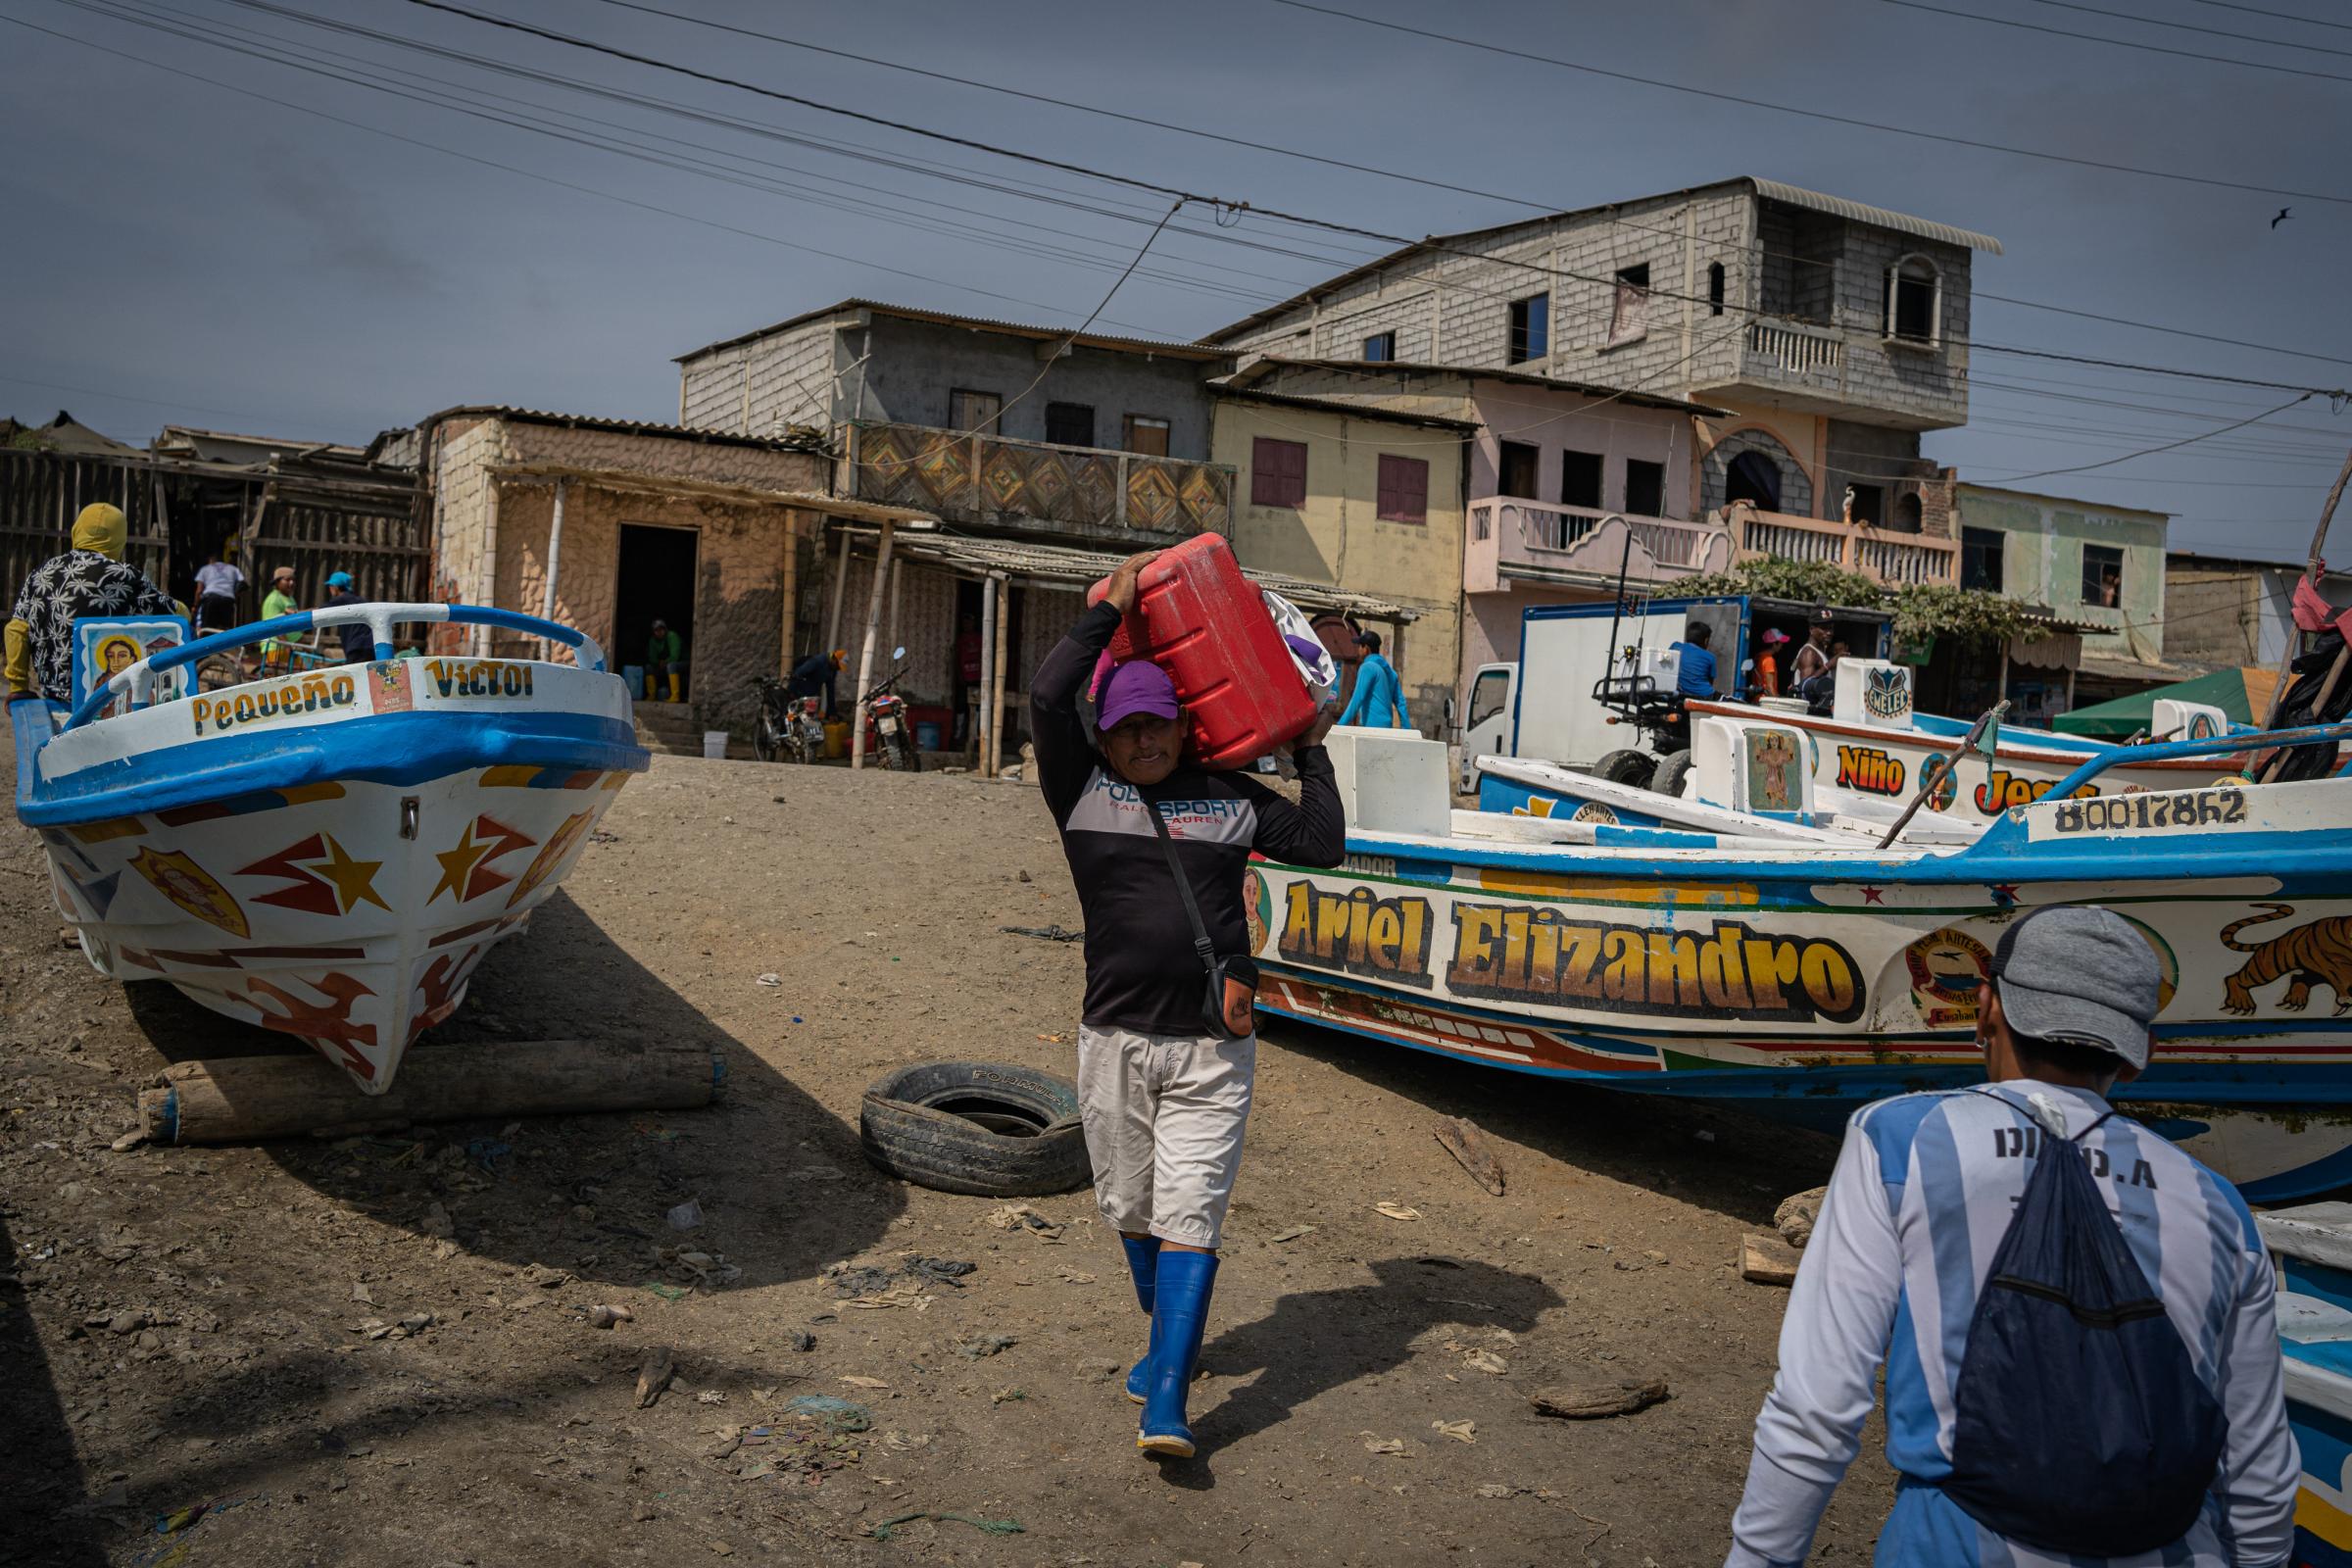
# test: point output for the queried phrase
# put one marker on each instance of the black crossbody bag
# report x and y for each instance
(1226, 1004)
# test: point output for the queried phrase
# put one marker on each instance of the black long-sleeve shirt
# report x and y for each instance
(1141, 972)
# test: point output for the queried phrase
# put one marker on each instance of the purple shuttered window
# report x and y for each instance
(1403, 489)
(1277, 473)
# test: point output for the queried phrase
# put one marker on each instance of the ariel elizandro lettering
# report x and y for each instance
(1524, 953)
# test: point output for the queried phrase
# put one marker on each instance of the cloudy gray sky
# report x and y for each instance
(282, 251)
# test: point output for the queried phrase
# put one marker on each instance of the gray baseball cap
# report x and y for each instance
(2081, 974)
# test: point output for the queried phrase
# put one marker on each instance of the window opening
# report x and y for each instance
(1277, 473)
(1579, 479)
(1644, 488)
(1629, 319)
(1531, 329)
(1070, 425)
(2102, 576)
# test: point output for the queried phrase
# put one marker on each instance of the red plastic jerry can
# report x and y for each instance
(1205, 624)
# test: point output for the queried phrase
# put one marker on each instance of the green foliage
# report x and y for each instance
(1808, 582)
(1919, 609)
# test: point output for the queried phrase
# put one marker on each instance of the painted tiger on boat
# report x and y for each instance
(2319, 952)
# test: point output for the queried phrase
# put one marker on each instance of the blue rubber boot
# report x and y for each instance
(1179, 1315)
(1143, 1262)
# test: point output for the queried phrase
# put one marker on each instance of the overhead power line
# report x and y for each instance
(2283, 16)
(1089, 109)
(1814, 113)
(2179, 27)
(2147, 451)
(1219, 204)
(2118, 43)
(529, 173)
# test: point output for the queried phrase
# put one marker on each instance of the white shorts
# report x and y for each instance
(1164, 1119)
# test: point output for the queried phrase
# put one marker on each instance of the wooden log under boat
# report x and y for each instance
(244, 1098)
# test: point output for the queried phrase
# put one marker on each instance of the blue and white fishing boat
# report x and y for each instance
(327, 854)
(1802, 974)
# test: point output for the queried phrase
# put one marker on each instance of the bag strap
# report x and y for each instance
(2096, 1123)
(1184, 888)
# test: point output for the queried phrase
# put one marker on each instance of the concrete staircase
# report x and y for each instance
(669, 727)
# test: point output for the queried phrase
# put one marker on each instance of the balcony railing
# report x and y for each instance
(993, 480)
(1797, 349)
(1888, 559)
(1538, 533)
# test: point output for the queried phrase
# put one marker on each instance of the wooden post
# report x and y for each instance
(555, 557)
(988, 652)
(789, 622)
(898, 570)
(2311, 571)
(841, 588)
(866, 659)
(242, 1099)
(995, 695)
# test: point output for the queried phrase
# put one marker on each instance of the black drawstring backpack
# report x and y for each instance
(2079, 1422)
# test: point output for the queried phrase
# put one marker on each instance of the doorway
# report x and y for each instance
(656, 584)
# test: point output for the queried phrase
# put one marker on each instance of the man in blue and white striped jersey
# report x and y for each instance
(1922, 1195)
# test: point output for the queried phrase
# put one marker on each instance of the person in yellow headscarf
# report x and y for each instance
(89, 579)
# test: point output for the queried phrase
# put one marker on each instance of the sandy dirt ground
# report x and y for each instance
(185, 1327)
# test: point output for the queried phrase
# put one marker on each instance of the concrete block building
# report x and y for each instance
(608, 525)
(1831, 332)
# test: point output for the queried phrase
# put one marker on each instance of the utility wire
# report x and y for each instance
(1465, 190)
(2283, 16)
(2119, 43)
(527, 174)
(1813, 114)
(1090, 108)
(2159, 21)
(1078, 331)
(2045, 473)
(1215, 202)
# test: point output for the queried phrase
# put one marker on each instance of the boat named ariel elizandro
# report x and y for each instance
(328, 853)
(1802, 979)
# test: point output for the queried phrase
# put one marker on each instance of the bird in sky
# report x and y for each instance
(2283, 213)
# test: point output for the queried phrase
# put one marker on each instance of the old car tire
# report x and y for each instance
(1626, 767)
(983, 1128)
(1672, 768)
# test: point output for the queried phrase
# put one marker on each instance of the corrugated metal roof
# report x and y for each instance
(1878, 216)
(1260, 365)
(981, 323)
(590, 421)
(1063, 564)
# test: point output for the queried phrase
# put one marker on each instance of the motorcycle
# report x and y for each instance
(789, 728)
(894, 728)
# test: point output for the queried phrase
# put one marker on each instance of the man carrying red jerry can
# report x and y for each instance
(1166, 1049)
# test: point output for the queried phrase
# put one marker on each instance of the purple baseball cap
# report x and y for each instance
(1138, 686)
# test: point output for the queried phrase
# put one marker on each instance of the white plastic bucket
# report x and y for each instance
(715, 743)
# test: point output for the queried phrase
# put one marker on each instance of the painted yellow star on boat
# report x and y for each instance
(353, 880)
(458, 864)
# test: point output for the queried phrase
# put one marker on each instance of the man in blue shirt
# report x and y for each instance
(1378, 692)
(1697, 678)
(1922, 1195)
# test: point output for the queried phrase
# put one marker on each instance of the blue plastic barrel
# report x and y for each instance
(926, 736)
(634, 674)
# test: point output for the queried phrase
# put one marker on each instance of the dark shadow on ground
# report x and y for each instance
(1316, 1340)
(781, 1183)
(43, 1475)
(1744, 1168)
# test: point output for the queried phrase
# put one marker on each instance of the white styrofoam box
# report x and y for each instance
(1657, 669)
(2173, 719)
(715, 743)
(1873, 692)
(1392, 780)
(1742, 764)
